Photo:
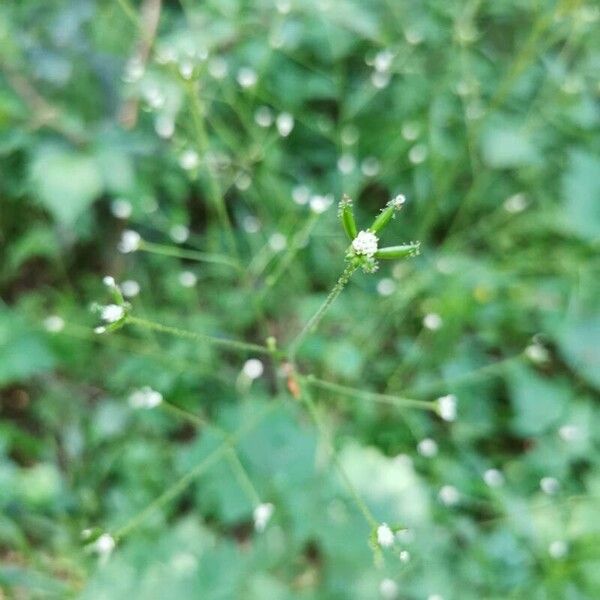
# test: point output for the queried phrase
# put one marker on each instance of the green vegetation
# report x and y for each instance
(216, 383)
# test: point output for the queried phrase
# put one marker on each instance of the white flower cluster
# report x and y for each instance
(130, 241)
(145, 397)
(365, 243)
(111, 313)
(385, 536)
(262, 515)
(447, 407)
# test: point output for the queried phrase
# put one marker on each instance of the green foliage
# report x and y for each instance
(225, 146)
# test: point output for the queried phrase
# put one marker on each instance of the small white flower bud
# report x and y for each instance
(253, 368)
(130, 241)
(262, 515)
(427, 448)
(493, 478)
(385, 536)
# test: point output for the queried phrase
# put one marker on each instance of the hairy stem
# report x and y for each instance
(314, 321)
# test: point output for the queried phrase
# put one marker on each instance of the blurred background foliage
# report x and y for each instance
(176, 118)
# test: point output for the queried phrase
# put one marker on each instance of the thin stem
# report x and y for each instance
(201, 337)
(232, 456)
(364, 395)
(182, 483)
(188, 254)
(293, 248)
(202, 142)
(242, 477)
(316, 318)
(360, 503)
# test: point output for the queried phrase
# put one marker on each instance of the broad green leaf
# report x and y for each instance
(65, 182)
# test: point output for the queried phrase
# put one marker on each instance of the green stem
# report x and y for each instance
(239, 471)
(360, 503)
(201, 337)
(182, 483)
(203, 145)
(316, 318)
(382, 398)
(187, 254)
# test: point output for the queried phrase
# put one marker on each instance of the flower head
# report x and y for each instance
(262, 515)
(365, 243)
(111, 313)
(145, 397)
(130, 241)
(447, 407)
(385, 536)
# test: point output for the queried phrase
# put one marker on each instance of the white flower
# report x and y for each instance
(187, 279)
(388, 589)
(277, 241)
(109, 282)
(121, 208)
(130, 288)
(383, 60)
(54, 323)
(253, 368)
(370, 166)
(410, 131)
(251, 224)
(247, 77)
(145, 397)
(558, 549)
(417, 154)
(130, 241)
(398, 201)
(346, 163)
(164, 125)
(432, 321)
(386, 287)
(537, 353)
(570, 432)
(189, 160)
(427, 448)
(301, 194)
(111, 313)
(365, 243)
(285, 124)
(449, 495)
(179, 233)
(262, 515)
(104, 546)
(319, 204)
(186, 69)
(385, 536)
(217, 67)
(100, 329)
(549, 485)
(516, 203)
(447, 407)
(404, 556)
(263, 116)
(493, 478)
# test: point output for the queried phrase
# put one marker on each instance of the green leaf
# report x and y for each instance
(581, 195)
(65, 182)
(23, 353)
(538, 403)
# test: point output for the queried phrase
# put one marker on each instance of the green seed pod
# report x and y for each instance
(383, 219)
(347, 216)
(396, 252)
